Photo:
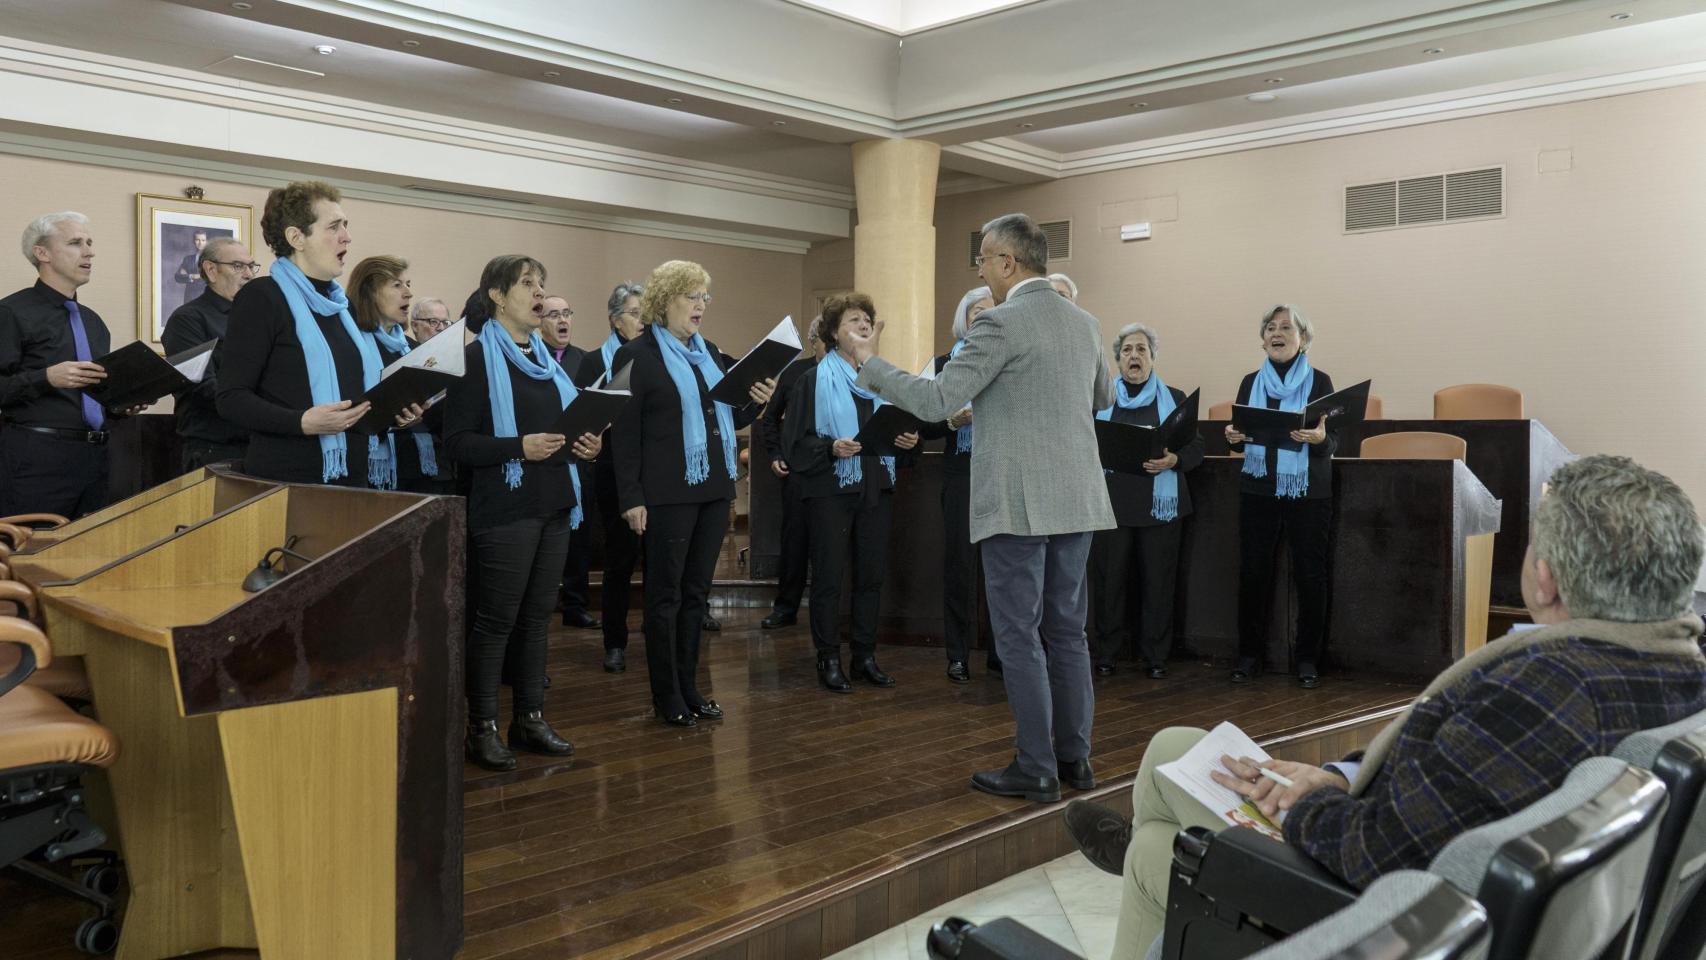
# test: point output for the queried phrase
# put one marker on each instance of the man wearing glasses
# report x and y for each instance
(428, 317)
(225, 264)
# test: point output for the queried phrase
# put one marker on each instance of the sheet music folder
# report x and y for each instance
(1126, 446)
(888, 421)
(592, 411)
(136, 374)
(763, 362)
(416, 377)
(1273, 427)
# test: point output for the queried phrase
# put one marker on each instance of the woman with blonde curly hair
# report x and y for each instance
(674, 453)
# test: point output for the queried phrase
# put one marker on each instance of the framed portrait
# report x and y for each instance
(170, 232)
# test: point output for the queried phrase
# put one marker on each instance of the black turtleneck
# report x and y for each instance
(1320, 454)
(263, 385)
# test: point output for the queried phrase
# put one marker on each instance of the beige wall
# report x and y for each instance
(1589, 296)
(753, 289)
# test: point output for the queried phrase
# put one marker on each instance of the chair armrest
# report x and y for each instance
(45, 521)
(17, 536)
(1279, 884)
(22, 595)
(35, 650)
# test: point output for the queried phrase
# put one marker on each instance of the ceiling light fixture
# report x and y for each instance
(1026, 126)
(673, 100)
(1434, 51)
(325, 49)
(1621, 16)
(240, 5)
(1140, 105)
(1262, 97)
(553, 73)
(1274, 80)
(411, 43)
(778, 123)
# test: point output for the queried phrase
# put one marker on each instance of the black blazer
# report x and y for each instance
(646, 445)
(469, 440)
(767, 429)
(1133, 495)
(1320, 454)
(263, 386)
(811, 463)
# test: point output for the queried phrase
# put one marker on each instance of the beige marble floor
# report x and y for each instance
(1067, 900)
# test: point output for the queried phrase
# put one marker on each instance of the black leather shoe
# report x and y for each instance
(868, 671)
(1101, 834)
(829, 672)
(711, 624)
(1247, 670)
(675, 718)
(1104, 669)
(1307, 676)
(580, 620)
(1012, 782)
(1077, 774)
(615, 660)
(484, 748)
(777, 621)
(530, 732)
(1157, 672)
(709, 710)
(957, 671)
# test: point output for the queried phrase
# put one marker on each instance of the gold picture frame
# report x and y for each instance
(166, 229)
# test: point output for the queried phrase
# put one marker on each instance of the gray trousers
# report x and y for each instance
(1037, 606)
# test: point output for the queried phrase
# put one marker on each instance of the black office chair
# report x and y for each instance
(1671, 924)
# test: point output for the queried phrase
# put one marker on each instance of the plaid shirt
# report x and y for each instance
(1489, 745)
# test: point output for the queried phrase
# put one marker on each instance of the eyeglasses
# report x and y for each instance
(560, 315)
(435, 324)
(981, 259)
(703, 299)
(247, 266)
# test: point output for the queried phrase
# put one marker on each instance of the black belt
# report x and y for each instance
(81, 436)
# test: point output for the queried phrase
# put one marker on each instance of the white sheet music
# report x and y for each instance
(1191, 772)
(195, 367)
(784, 332)
(442, 353)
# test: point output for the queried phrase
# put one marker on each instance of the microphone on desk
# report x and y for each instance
(265, 574)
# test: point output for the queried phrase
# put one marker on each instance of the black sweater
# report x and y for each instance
(811, 461)
(1133, 495)
(647, 447)
(1320, 454)
(408, 448)
(469, 440)
(263, 386)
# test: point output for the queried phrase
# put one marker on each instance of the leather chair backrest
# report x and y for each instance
(1405, 915)
(1414, 445)
(1674, 906)
(1478, 401)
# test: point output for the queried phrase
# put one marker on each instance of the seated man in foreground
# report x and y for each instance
(1615, 648)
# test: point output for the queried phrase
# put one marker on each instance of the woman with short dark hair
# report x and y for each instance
(380, 294)
(523, 499)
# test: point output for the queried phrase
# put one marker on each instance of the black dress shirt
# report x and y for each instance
(197, 409)
(767, 429)
(811, 458)
(35, 333)
(648, 451)
(263, 386)
(469, 440)
(1320, 454)
(1133, 495)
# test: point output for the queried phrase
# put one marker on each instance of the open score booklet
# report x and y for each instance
(1191, 772)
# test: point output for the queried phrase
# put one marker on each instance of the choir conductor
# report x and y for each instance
(1033, 368)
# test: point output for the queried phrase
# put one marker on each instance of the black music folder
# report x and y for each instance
(1125, 447)
(763, 362)
(1272, 428)
(876, 437)
(593, 410)
(136, 374)
(418, 376)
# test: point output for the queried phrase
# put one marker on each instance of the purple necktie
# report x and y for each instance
(92, 413)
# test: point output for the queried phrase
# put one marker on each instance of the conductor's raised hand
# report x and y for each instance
(588, 446)
(906, 441)
(1161, 464)
(762, 391)
(538, 446)
(332, 417)
(862, 349)
(636, 518)
(1317, 435)
(845, 448)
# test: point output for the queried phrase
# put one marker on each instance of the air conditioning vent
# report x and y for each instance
(1420, 201)
(1059, 233)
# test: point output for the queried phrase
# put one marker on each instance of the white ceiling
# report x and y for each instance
(904, 17)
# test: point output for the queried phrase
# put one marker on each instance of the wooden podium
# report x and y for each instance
(290, 770)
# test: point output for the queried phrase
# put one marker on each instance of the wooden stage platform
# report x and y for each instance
(804, 822)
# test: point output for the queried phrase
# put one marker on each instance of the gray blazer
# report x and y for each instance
(1032, 367)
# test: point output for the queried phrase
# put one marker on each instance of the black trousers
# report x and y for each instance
(959, 569)
(514, 568)
(796, 543)
(199, 453)
(621, 556)
(682, 544)
(848, 527)
(41, 473)
(1146, 558)
(577, 589)
(1306, 526)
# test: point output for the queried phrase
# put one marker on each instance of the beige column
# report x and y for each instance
(894, 243)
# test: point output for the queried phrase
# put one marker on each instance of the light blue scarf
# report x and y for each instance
(1293, 394)
(399, 344)
(838, 418)
(499, 348)
(962, 436)
(1164, 501)
(608, 350)
(680, 359)
(305, 302)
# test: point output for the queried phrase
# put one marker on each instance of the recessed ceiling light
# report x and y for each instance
(325, 49)
(1262, 97)
(1140, 105)
(1621, 16)
(1274, 80)
(240, 5)
(411, 43)
(778, 123)
(1026, 126)
(673, 100)
(1434, 51)
(553, 73)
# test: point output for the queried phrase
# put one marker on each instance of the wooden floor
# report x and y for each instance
(655, 841)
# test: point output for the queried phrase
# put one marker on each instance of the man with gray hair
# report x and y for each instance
(53, 450)
(428, 317)
(1614, 649)
(224, 265)
(1032, 367)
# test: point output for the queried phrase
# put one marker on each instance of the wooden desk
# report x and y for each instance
(289, 777)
